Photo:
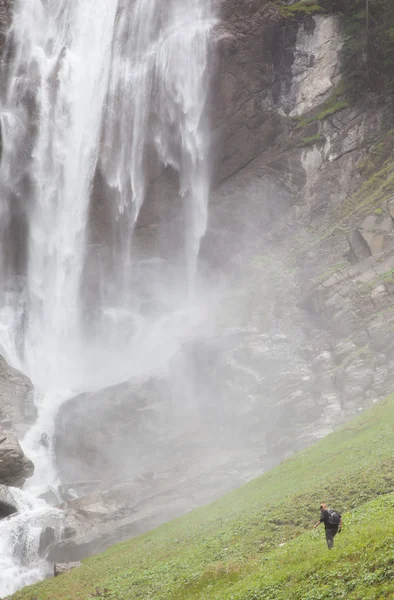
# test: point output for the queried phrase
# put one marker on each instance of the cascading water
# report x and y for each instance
(93, 86)
(165, 83)
(20, 540)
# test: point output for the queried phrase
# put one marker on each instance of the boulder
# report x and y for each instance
(100, 519)
(95, 432)
(376, 231)
(60, 568)
(50, 495)
(358, 246)
(15, 467)
(7, 503)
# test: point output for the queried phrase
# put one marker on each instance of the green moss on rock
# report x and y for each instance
(312, 140)
(305, 7)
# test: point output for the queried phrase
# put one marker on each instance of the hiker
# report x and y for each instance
(332, 522)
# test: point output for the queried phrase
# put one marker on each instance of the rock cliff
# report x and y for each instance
(323, 264)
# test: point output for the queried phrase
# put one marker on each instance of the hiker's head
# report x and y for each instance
(323, 506)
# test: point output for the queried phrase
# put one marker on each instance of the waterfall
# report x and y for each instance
(95, 90)
(161, 93)
(20, 540)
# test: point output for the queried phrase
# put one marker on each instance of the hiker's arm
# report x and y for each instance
(321, 520)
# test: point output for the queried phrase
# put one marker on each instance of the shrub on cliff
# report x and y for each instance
(368, 51)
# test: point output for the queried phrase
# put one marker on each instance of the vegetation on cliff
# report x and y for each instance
(305, 7)
(256, 543)
(368, 51)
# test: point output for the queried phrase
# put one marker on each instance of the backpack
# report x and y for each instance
(333, 517)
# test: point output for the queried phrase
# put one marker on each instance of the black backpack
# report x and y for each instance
(333, 517)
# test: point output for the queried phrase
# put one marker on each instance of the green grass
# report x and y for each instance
(256, 543)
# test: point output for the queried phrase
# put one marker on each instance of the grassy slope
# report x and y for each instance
(230, 549)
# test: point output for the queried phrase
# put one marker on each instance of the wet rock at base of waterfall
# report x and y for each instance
(47, 538)
(17, 410)
(72, 491)
(101, 519)
(15, 467)
(50, 496)
(60, 568)
(91, 523)
(7, 503)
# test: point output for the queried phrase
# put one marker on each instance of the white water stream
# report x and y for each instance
(92, 84)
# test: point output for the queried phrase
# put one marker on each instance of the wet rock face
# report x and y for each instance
(47, 539)
(17, 410)
(315, 70)
(5, 15)
(90, 523)
(242, 87)
(15, 467)
(7, 502)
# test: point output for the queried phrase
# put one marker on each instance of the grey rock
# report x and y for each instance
(377, 242)
(47, 538)
(381, 338)
(356, 379)
(315, 68)
(61, 568)
(343, 349)
(71, 491)
(100, 519)
(50, 496)
(15, 467)
(377, 224)
(390, 207)
(17, 409)
(359, 246)
(8, 505)
(379, 293)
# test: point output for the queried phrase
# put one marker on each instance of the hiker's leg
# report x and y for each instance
(330, 538)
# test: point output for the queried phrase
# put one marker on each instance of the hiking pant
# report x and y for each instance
(330, 534)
